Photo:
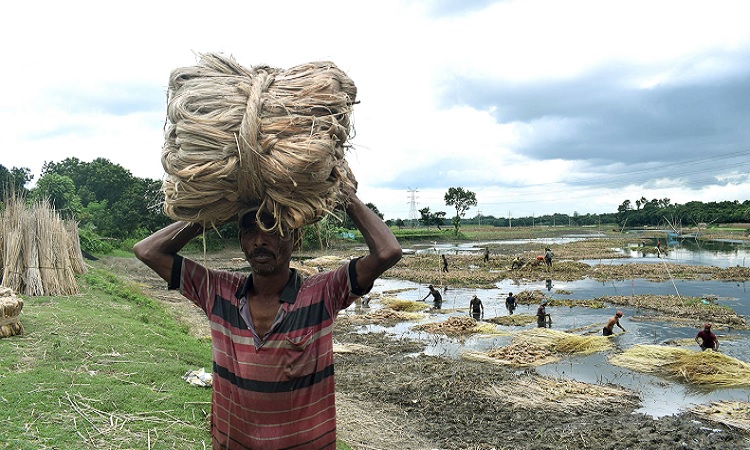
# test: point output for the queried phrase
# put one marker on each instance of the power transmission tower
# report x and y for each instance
(413, 207)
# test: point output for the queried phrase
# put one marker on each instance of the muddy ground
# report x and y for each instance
(389, 396)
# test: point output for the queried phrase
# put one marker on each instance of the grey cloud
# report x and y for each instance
(615, 122)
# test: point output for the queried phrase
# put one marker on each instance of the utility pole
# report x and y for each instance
(413, 206)
(510, 224)
(479, 214)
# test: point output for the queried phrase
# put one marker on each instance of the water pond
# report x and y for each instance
(659, 396)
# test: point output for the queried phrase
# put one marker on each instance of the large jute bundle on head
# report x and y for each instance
(237, 136)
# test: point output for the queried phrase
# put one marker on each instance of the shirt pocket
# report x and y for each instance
(300, 355)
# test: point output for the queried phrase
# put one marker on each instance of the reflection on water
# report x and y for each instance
(659, 397)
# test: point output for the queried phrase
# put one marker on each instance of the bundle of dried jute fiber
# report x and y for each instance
(236, 136)
(10, 310)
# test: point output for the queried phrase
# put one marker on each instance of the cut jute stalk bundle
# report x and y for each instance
(706, 368)
(515, 355)
(35, 254)
(237, 136)
(533, 391)
(563, 342)
(459, 326)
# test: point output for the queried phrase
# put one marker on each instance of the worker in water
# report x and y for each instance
(476, 307)
(437, 299)
(706, 339)
(541, 315)
(609, 328)
(510, 303)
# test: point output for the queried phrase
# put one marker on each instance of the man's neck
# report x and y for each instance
(270, 285)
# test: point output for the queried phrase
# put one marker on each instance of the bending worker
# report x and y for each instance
(609, 328)
(437, 299)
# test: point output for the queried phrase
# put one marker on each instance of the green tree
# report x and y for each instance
(14, 181)
(462, 200)
(431, 218)
(61, 193)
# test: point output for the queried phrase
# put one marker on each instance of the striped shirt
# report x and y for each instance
(274, 391)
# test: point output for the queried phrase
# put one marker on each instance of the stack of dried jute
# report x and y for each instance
(236, 136)
(10, 310)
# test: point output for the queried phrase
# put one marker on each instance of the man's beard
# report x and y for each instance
(267, 268)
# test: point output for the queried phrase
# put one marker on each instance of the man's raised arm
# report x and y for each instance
(157, 251)
(385, 250)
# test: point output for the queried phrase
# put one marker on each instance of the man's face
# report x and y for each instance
(267, 253)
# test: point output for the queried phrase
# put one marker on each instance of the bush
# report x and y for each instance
(93, 243)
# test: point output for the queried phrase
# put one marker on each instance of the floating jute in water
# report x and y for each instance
(236, 136)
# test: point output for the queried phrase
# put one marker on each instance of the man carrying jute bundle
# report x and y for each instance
(272, 330)
(246, 144)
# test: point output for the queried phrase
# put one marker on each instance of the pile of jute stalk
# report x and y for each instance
(10, 310)
(40, 252)
(236, 136)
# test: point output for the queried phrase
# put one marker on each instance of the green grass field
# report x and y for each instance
(101, 370)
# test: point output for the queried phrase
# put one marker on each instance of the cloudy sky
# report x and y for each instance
(537, 106)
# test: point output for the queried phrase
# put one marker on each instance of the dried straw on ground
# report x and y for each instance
(531, 392)
(562, 342)
(516, 320)
(236, 135)
(10, 310)
(403, 305)
(518, 354)
(706, 368)
(459, 326)
(38, 254)
(382, 316)
(732, 414)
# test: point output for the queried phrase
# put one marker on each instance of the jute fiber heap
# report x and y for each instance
(10, 310)
(236, 136)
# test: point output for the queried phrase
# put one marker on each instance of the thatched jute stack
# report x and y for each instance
(10, 310)
(236, 136)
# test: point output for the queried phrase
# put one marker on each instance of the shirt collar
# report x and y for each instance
(288, 295)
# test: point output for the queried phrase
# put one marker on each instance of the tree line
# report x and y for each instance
(113, 206)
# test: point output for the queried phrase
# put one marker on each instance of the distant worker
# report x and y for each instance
(548, 257)
(437, 299)
(517, 262)
(476, 307)
(706, 339)
(510, 303)
(486, 254)
(445, 263)
(609, 328)
(541, 315)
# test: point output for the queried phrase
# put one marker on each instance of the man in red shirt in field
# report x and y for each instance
(271, 331)
(706, 339)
